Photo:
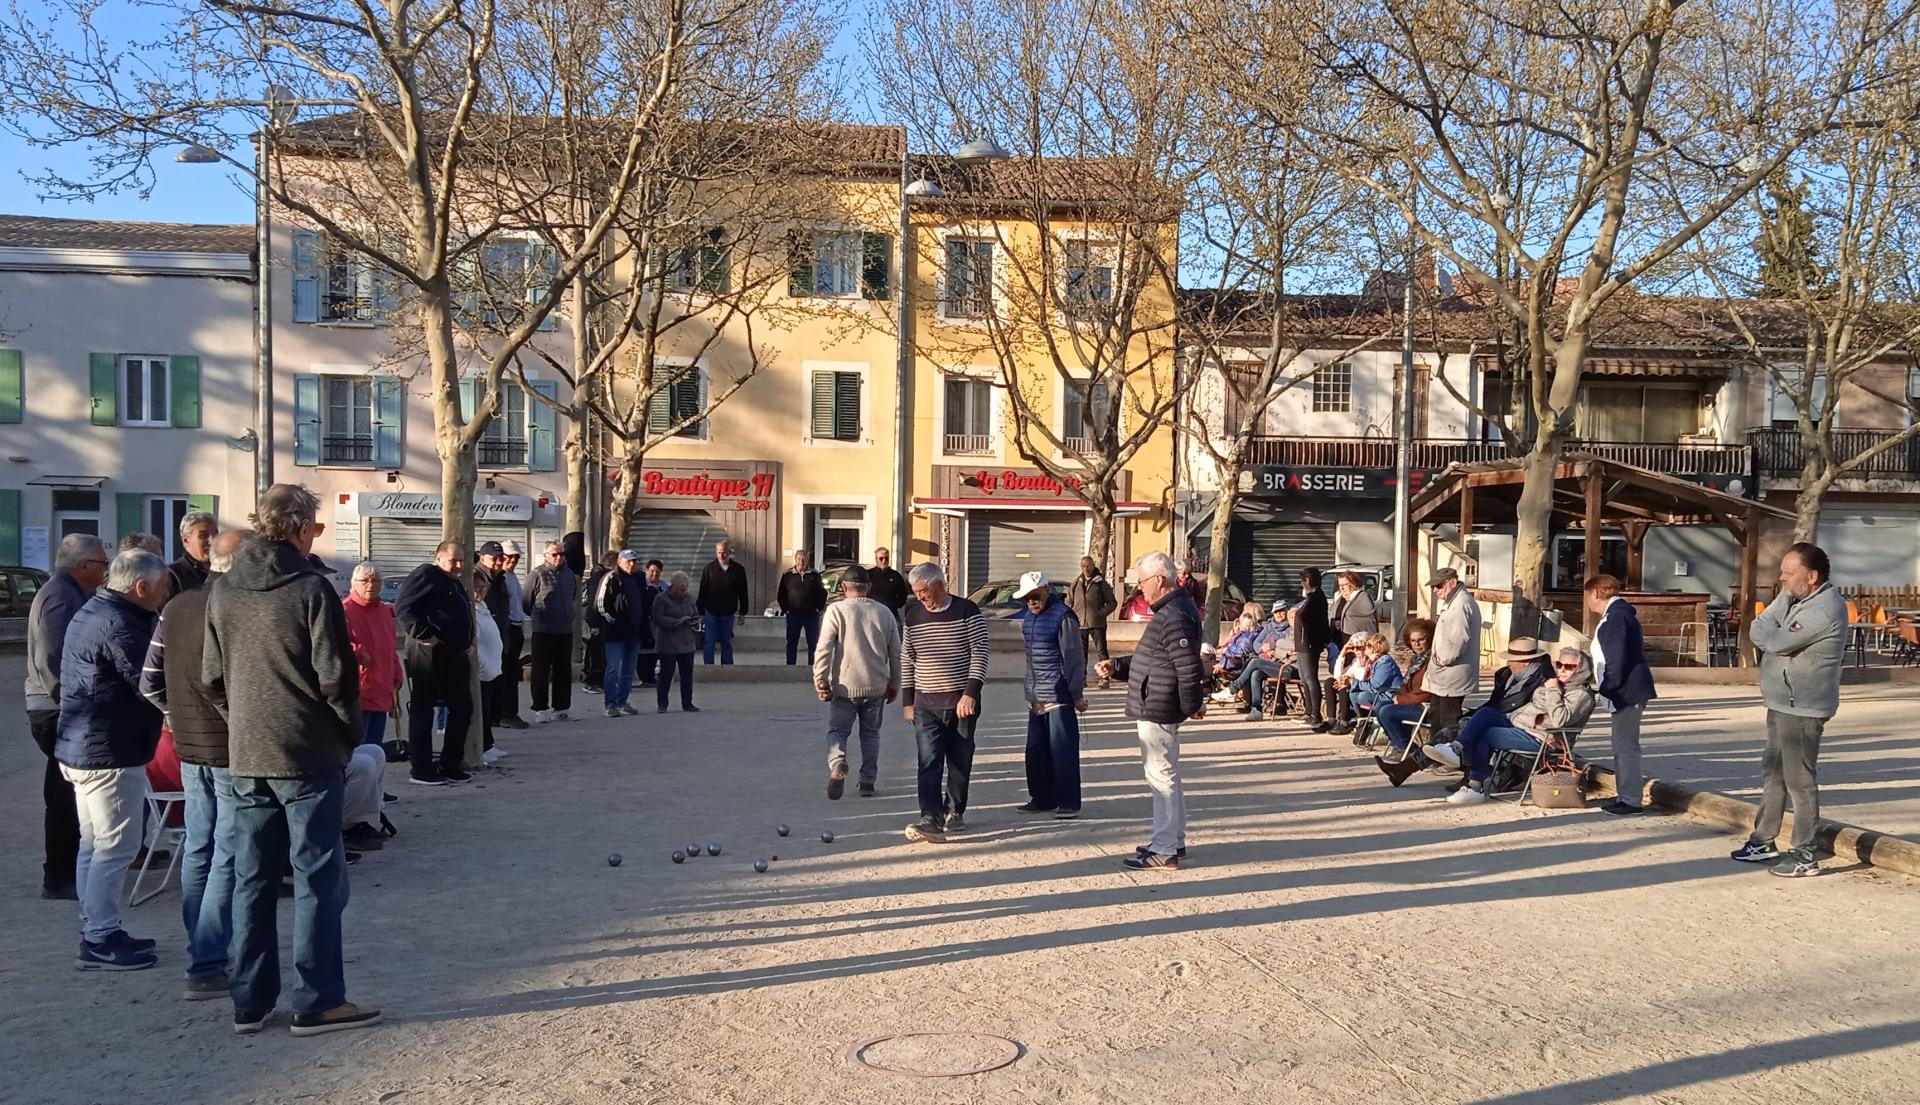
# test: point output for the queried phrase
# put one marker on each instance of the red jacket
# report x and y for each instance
(370, 627)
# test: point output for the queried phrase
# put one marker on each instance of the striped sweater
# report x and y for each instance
(944, 654)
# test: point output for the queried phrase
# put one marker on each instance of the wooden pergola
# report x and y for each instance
(1591, 493)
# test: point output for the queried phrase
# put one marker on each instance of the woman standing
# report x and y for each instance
(674, 618)
(375, 645)
(487, 649)
(1353, 612)
(1626, 683)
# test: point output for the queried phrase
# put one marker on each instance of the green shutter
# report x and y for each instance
(208, 503)
(846, 406)
(130, 508)
(715, 261)
(658, 419)
(103, 378)
(799, 265)
(686, 400)
(9, 526)
(876, 261)
(389, 411)
(541, 425)
(13, 386)
(306, 419)
(184, 391)
(823, 392)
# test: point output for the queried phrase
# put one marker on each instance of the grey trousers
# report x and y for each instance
(1789, 771)
(842, 715)
(1629, 781)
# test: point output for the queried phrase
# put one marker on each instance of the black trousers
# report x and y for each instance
(681, 662)
(493, 699)
(552, 671)
(647, 662)
(593, 662)
(1095, 641)
(438, 676)
(63, 817)
(514, 642)
(1308, 665)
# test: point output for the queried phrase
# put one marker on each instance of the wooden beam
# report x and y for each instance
(1466, 515)
(1749, 574)
(1636, 532)
(1590, 565)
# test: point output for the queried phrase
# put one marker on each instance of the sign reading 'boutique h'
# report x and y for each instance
(749, 492)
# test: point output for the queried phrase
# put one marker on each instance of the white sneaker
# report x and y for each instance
(1255, 715)
(1467, 796)
(1223, 695)
(560, 715)
(494, 754)
(1448, 753)
(542, 717)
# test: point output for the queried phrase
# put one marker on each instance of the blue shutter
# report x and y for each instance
(306, 275)
(546, 265)
(389, 410)
(386, 295)
(542, 441)
(306, 419)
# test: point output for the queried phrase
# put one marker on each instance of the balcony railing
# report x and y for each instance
(1674, 458)
(506, 453)
(1782, 453)
(969, 445)
(1081, 445)
(346, 449)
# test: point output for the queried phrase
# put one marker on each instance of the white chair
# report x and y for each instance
(160, 805)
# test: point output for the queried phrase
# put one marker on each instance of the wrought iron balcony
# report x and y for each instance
(502, 453)
(1781, 453)
(1675, 458)
(346, 449)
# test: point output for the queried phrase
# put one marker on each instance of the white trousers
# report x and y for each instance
(366, 782)
(109, 801)
(1160, 756)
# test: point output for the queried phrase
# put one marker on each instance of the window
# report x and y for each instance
(350, 289)
(835, 265)
(515, 272)
(702, 265)
(143, 392)
(503, 444)
(1638, 413)
(1784, 412)
(334, 284)
(1088, 268)
(1077, 421)
(969, 416)
(1332, 388)
(836, 406)
(346, 432)
(163, 515)
(681, 394)
(1570, 551)
(969, 277)
(75, 510)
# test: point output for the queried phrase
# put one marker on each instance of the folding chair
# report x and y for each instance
(1501, 758)
(160, 805)
(1419, 736)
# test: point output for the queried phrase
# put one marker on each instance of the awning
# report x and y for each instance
(1642, 368)
(959, 507)
(93, 482)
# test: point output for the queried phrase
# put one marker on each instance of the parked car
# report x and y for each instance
(996, 600)
(1134, 608)
(829, 575)
(17, 587)
(1373, 577)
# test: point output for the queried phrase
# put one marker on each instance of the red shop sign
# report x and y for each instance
(1016, 482)
(748, 492)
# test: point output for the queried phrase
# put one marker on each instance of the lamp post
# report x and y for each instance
(280, 107)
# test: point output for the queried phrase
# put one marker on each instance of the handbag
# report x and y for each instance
(1559, 784)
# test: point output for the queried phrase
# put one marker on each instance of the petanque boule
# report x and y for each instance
(783, 830)
(826, 838)
(693, 849)
(613, 860)
(760, 865)
(713, 849)
(679, 856)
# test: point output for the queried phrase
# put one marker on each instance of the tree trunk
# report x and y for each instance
(577, 429)
(1530, 543)
(1219, 536)
(458, 471)
(1100, 539)
(1806, 505)
(625, 494)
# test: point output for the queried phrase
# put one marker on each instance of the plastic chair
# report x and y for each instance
(160, 806)
(1419, 735)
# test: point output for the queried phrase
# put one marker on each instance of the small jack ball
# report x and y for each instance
(713, 849)
(613, 860)
(760, 865)
(679, 856)
(783, 830)
(776, 859)
(826, 838)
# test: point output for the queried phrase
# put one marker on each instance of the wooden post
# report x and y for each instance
(1591, 564)
(1749, 573)
(1636, 531)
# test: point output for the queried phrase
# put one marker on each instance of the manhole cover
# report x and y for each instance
(935, 1054)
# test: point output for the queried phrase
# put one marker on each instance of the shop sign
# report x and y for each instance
(1317, 481)
(425, 505)
(754, 492)
(1012, 481)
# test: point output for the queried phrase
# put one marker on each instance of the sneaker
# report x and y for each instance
(1223, 696)
(1448, 754)
(956, 823)
(139, 944)
(364, 838)
(206, 989)
(866, 790)
(1620, 809)
(691, 708)
(1255, 715)
(836, 782)
(1795, 863)
(1467, 796)
(614, 711)
(589, 688)
(628, 710)
(926, 830)
(248, 1022)
(1323, 726)
(1142, 861)
(389, 799)
(338, 1019)
(1033, 807)
(435, 780)
(1064, 814)
(494, 755)
(542, 717)
(455, 775)
(114, 955)
(1147, 849)
(1754, 851)
(561, 715)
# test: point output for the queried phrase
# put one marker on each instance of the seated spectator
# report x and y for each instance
(1271, 651)
(1239, 645)
(1397, 717)
(1348, 664)
(1513, 687)
(1561, 702)
(1374, 683)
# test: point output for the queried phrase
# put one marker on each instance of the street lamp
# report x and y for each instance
(280, 105)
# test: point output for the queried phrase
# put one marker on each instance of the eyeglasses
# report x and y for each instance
(1568, 667)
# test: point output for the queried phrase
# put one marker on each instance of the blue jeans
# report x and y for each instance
(719, 630)
(945, 744)
(1489, 731)
(617, 683)
(798, 623)
(1053, 758)
(1397, 719)
(206, 868)
(842, 713)
(373, 727)
(1254, 679)
(280, 823)
(671, 662)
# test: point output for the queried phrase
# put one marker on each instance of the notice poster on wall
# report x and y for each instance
(33, 548)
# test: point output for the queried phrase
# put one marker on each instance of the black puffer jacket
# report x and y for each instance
(1166, 682)
(1512, 694)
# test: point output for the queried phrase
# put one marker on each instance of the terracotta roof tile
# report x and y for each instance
(38, 232)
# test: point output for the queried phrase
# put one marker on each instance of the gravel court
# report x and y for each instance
(1333, 940)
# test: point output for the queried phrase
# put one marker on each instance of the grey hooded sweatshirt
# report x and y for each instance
(1557, 705)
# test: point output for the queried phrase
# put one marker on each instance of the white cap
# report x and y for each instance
(1029, 583)
(511, 548)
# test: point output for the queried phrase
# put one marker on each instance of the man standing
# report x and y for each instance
(1311, 636)
(107, 735)
(1166, 683)
(593, 666)
(79, 568)
(1453, 670)
(802, 597)
(889, 586)
(174, 681)
(435, 614)
(1056, 686)
(652, 584)
(513, 638)
(943, 666)
(1624, 682)
(723, 597)
(1802, 639)
(550, 606)
(620, 603)
(189, 572)
(495, 692)
(856, 671)
(1092, 599)
(279, 663)
(1195, 587)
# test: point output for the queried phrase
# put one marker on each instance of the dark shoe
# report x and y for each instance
(663, 707)
(1754, 851)
(956, 823)
(1064, 814)
(364, 838)
(1033, 807)
(1397, 771)
(511, 723)
(114, 955)
(338, 1019)
(455, 775)
(926, 830)
(138, 944)
(61, 892)
(836, 782)
(866, 790)
(1323, 726)
(388, 798)
(206, 989)
(1146, 849)
(1620, 809)
(1795, 863)
(247, 1022)
(1142, 861)
(434, 780)
(691, 708)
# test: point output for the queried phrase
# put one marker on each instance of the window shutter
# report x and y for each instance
(185, 391)
(687, 400)
(658, 419)
(541, 425)
(846, 406)
(103, 377)
(715, 261)
(546, 265)
(13, 386)
(9, 526)
(876, 258)
(823, 396)
(389, 410)
(129, 510)
(469, 398)
(306, 275)
(306, 419)
(799, 264)
(386, 295)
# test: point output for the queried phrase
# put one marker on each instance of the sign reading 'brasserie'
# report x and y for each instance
(1308, 480)
(421, 504)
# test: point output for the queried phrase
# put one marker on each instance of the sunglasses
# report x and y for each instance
(1568, 667)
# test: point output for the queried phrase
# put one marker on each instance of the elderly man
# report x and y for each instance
(889, 586)
(79, 568)
(722, 598)
(498, 693)
(107, 735)
(279, 663)
(551, 593)
(1452, 671)
(1092, 599)
(1166, 685)
(802, 597)
(856, 671)
(435, 616)
(189, 572)
(1802, 640)
(514, 641)
(943, 666)
(1056, 686)
(622, 605)
(174, 682)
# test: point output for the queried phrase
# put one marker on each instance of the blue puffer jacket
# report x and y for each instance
(1056, 657)
(103, 720)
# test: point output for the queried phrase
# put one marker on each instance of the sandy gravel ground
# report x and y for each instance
(1332, 941)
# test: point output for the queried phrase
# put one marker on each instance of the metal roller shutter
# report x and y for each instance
(1268, 557)
(399, 545)
(682, 540)
(1004, 546)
